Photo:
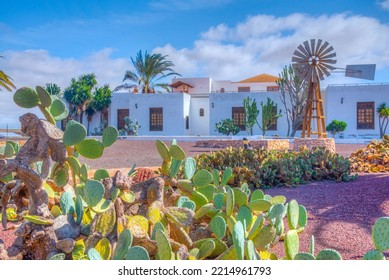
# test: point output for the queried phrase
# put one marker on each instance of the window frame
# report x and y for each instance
(156, 124)
(123, 115)
(240, 121)
(244, 89)
(365, 112)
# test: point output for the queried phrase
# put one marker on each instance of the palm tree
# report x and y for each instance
(79, 94)
(383, 118)
(5, 81)
(102, 99)
(149, 69)
(53, 89)
(90, 112)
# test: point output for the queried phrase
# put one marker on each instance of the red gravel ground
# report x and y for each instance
(340, 215)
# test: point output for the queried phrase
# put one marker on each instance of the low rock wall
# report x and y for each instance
(309, 143)
(269, 144)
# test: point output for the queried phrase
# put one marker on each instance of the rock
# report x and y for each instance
(66, 245)
(65, 227)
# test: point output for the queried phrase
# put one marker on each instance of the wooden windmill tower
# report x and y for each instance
(312, 61)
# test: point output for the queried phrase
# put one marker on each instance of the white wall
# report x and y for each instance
(347, 111)
(119, 100)
(199, 125)
(223, 103)
(200, 85)
(173, 112)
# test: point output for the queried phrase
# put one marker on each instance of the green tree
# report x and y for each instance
(79, 94)
(89, 112)
(102, 99)
(149, 70)
(53, 89)
(383, 118)
(6, 81)
(227, 127)
(251, 113)
(269, 115)
(336, 126)
(294, 92)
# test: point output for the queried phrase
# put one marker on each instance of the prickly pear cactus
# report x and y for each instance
(381, 234)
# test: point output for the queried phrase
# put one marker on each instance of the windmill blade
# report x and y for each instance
(324, 70)
(313, 42)
(328, 66)
(328, 61)
(318, 46)
(328, 56)
(330, 49)
(320, 73)
(325, 45)
(301, 48)
(308, 49)
(300, 60)
(299, 54)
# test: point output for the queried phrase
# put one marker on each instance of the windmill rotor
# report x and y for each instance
(312, 60)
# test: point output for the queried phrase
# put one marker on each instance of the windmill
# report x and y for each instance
(312, 61)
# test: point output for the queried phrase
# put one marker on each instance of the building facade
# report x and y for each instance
(195, 105)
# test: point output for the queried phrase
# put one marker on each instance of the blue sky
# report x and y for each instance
(53, 41)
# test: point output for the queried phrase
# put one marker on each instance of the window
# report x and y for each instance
(201, 112)
(273, 122)
(156, 119)
(239, 117)
(243, 89)
(187, 122)
(222, 90)
(122, 113)
(365, 115)
(273, 88)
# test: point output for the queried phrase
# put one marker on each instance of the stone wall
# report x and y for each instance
(270, 144)
(309, 143)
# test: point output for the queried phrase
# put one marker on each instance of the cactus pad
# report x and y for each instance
(256, 227)
(198, 198)
(218, 226)
(245, 216)
(260, 205)
(181, 216)
(67, 203)
(264, 238)
(202, 178)
(79, 209)
(215, 177)
(26, 98)
(238, 236)
(303, 217)
(278, 199)
(189, 168)
(251, 252)
(381, 234)
(304, 257)
(79, 250)
(163, 150)
(94, 255)
(101, 174)
(164, 248)
(110, 135)
(257, 194)
(44, 96)
(124, 241)
(39, 220)
(104, 248)
(177, 152)
(328, 254)
(74, 133)
(90, 148)
(226, 176)
(106, 222)
(138, 225)
(230, 201)
(374, 255)
(291, 244)
(206, 249)
(137, 253)
(293, 214)
(241, 198)
(93, 192)
(203, 210)
(174, 167)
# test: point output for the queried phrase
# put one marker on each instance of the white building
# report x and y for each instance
(195, 105)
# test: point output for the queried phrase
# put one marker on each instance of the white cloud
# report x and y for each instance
(385, 5)
(265, 44)
(37, 67)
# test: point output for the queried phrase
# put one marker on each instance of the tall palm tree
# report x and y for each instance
(6, 81)
(53, 89)
(90, 112)
(383, 118)
(149, 69)
(79, 94)
(102, 99)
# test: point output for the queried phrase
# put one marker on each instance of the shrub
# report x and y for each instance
(263, 169)
(227, 127)
(336, 126)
